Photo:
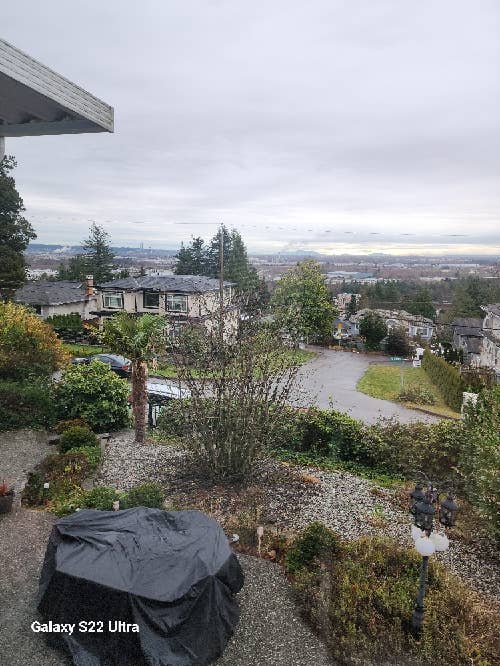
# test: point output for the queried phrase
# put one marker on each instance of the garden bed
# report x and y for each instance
(285, 498)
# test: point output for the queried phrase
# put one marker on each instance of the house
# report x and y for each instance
(468, 338)
(343, 329)
(182, 299)
(490, 348)
(59, 297)
(344, 300)
(416, 326)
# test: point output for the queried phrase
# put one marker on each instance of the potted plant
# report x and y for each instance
(6, 497)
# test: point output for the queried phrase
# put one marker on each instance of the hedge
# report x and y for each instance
(446, 378)
(26, 404)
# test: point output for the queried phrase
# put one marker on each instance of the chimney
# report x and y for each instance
(89, 286)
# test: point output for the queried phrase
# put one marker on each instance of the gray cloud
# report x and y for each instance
(379, 118)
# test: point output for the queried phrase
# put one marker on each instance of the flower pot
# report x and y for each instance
(6, 502)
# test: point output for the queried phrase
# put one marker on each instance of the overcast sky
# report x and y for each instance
(331, 125)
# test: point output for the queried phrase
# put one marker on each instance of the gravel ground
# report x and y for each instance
(20, 451)
(348, 504)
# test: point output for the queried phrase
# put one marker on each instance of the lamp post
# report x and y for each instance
(423, 507)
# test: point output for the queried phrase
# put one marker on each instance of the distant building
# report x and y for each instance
(490, 348)
(414, 325)
(343, 300)
(468, 338)
(59, 297)
(182, 299)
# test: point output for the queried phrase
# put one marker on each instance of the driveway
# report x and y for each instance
(333, 375)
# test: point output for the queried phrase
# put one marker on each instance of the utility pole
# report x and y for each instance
(221, 283)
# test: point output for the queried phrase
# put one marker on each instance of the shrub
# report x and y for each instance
(94, 393)
(326, 432)
(92, 453)
(67, 325)
(479, 458)
(26, 404)
(101, 497)
(317, 541)
(61, 426)
(77, 437)
(446, 378)
(359, 596)
(28, 346)
(33, 492)
(148, 494)
(418, 395)
(65, 497)
(172, 421)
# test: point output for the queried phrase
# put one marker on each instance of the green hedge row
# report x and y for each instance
(447, 379)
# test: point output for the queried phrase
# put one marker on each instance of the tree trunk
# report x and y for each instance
(139, 399)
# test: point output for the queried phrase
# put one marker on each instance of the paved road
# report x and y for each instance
(333, 375)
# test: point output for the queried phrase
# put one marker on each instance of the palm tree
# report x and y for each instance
(137, 338)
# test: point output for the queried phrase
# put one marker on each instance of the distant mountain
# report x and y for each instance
(300, 253)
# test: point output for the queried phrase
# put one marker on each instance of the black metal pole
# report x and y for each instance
(418, 613)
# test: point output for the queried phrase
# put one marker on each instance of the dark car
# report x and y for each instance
(119, 364)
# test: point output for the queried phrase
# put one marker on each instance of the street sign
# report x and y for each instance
(396, 358)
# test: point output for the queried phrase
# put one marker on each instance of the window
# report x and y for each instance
(176, 303)
(113, 300)
(151, 299)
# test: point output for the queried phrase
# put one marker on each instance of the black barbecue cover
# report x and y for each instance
(173, 574)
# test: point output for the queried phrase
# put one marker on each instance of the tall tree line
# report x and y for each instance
(200, 258)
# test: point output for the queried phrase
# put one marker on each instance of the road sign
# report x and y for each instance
(396, 358)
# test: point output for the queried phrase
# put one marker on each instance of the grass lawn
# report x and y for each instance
(299, 356)
(384, 381)
(82, 350)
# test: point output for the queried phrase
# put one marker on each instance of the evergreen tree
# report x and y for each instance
(397, 343)
(15, 232)
(422, 304)
(192, 260)
(351, 306)
(99, 258)
(373, 329)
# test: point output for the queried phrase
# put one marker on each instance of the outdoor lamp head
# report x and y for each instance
(448, 511)
(424, 515)
(416, 496)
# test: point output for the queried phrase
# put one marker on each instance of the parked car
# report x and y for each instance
(119, 364)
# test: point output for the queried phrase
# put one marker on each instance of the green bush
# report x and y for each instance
(317, 541)
(479, 459)
(66, 326)
(77, 437)
(101, 497)
(418, 395)
(325, 432)
(94, 393)
(28, 404)
(148, 494)
(61, 426)
(34, 493)
(92, 453)
(446, 378)
(171, 421)
(65, 497)
(359, 596)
